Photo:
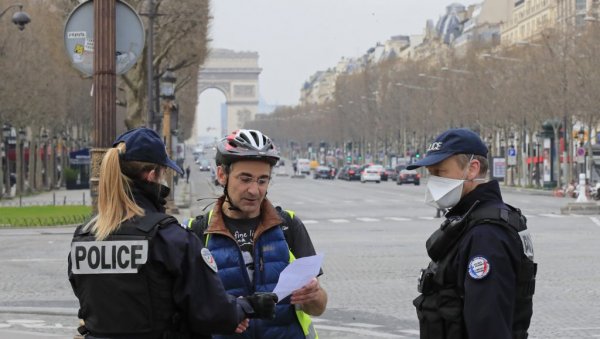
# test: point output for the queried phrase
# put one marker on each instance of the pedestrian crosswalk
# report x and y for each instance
(361, 330)
(369, 219)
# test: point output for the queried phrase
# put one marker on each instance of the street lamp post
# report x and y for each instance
(20, 161)
(44, 162)
(6, 132)
(167, 93)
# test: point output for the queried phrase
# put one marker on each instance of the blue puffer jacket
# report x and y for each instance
(271, 256)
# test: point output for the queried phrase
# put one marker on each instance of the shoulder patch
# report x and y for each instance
(479, 267)
(208, 259)
(527, 243)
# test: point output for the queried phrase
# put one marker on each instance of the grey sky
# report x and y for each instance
(296, 38)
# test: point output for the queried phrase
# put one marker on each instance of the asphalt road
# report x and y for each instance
(373, 237)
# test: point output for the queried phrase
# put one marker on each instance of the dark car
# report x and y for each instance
(390, 173)
(350, 172)
(408, 177)
(323, 172)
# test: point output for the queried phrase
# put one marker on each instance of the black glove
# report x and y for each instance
(263, 305)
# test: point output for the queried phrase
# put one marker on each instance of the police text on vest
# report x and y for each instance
(105, 257)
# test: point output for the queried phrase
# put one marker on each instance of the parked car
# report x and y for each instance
(408, 177)
(371, 173)
(323, 172)
(350, 172)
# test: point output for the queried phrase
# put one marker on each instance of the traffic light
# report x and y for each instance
(417, 154)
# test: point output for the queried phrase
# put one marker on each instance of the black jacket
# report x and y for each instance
(200, 304)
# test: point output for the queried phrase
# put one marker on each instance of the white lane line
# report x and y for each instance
(417, 332)
(397, 218)
(31, 260)
(338, 221)
(367, 219)
(595, 221)
(371, 334)
(550, 215)
(364, 325)
(427, 218)
(306, 222)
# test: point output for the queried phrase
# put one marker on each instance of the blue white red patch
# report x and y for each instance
(208, 259)
(479, 267)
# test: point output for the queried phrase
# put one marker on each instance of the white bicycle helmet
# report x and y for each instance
(246, 144)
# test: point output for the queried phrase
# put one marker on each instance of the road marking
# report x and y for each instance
(364, 325)
(550, 215)
(427, 218)
(32, 260)
(310, 222)
(371, 334)
(338, 221)
(367, 219)
(595, 221)
(417, 332)
(397, 218)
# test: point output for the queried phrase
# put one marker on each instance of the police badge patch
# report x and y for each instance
(479, 268)
(208, 259)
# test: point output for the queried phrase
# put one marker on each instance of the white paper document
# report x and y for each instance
(298, 274)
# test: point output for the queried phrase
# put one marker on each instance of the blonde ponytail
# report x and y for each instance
(115, 202)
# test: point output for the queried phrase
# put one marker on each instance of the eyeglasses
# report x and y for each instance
(247, 180)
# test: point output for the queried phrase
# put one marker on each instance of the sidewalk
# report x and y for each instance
(59, 196)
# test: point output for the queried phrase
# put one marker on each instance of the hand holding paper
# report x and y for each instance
(298, 274)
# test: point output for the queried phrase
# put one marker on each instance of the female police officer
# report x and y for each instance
(135, 271)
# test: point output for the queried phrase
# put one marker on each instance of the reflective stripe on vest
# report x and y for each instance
(304, 319)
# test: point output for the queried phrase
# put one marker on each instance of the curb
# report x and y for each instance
(65, 311)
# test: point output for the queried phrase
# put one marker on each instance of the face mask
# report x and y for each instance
(443, 192)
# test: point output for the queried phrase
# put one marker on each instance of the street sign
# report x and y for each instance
(581, 155)
(79, 37)
(512, 152)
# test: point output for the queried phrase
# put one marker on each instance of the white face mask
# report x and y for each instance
(443, 192)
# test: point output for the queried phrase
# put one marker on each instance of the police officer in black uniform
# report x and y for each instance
(481, 278)
(136, 272)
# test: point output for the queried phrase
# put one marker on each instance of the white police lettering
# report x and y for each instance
(435, 146)
(105, 257)
(527, 243)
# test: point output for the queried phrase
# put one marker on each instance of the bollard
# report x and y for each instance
(53, 198)
(582, 197)
(65, 200)
(83, 198)
(20, 200)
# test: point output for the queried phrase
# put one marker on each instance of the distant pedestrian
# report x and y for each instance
(187, 174)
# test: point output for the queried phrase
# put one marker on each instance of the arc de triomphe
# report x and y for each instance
(236, 75)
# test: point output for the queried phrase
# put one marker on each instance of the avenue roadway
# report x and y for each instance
(373, 237)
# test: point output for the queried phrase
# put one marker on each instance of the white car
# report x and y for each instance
(370, 173)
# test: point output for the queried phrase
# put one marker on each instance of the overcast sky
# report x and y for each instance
(296, 38)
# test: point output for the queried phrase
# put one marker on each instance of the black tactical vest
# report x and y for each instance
(122, 293)
(440, 305)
